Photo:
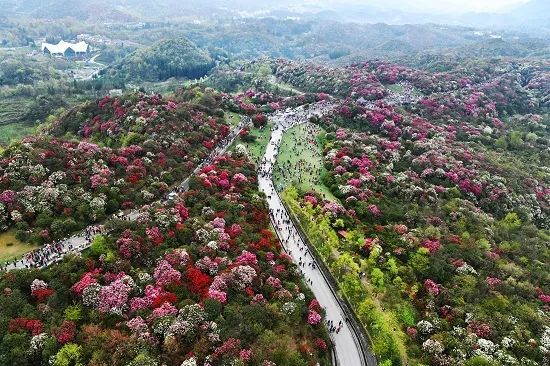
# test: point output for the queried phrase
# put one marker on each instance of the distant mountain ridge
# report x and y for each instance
(533, 16)
(97, 10)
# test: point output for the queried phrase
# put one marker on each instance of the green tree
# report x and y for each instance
(73, 313)
(515, 140)
(377, 279)
(419, 261)
(511, 222)
(99, 246)
(13, 349)
(69, 355)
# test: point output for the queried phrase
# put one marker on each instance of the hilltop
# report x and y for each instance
(179, 58)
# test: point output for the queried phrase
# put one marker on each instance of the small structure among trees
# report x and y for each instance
(66, 49)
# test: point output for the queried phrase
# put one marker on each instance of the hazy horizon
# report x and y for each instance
(431, 6)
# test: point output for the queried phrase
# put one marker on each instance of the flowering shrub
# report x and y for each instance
(164, 274)
(47, 178)
(313, 317)
(170, 293)
(66, 332)
(429, 217)
(431, 287)
(32, 326)
(40, 290)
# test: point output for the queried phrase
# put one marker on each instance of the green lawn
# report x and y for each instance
(256, 149)
(396, 88)
(232, 118)
(14, 131)
(281, 85)
(11, 248)
(300, 148)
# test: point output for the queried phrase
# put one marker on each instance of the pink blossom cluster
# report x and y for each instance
(313, 317)
(245, 355)
(86, 280)
(154, 235)
(230, 347)
(247, 258)
(311, 199)
(258, 299)
(400, 229)
(239, 178)
(7, 197)
(482, 330)
(273, 282)
(243, 275)
(493, 281)
(151, 294)
(137, 325)
(433, 245)
(113, 296)
(431, 287)
(165, 274)
(177, 257)
(206, 264)
(220, 296)
(411, 332)
(164, 310)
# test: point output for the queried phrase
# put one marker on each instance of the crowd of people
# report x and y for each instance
(52, 252)
(302, 170)
(290, 238)
(282, 223)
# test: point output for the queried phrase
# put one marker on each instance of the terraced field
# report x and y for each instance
(12, 110)
(11, 113)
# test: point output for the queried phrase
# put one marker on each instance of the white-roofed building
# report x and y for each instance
(66, 49)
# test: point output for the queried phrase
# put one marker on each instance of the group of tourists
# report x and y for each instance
(52, 252)
(303, 170)
(290, 238)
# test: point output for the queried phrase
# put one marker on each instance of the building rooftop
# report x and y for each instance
(62, 46)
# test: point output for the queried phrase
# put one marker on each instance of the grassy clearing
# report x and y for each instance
(13, 109)
(232, 118)
(396, 88)
(256, 149)
(300, 150)
(278, 84)
(14, 131)
(11, 248)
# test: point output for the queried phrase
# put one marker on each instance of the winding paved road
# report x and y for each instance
(348, 351)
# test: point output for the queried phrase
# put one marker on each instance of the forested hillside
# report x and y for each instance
(178, 58)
